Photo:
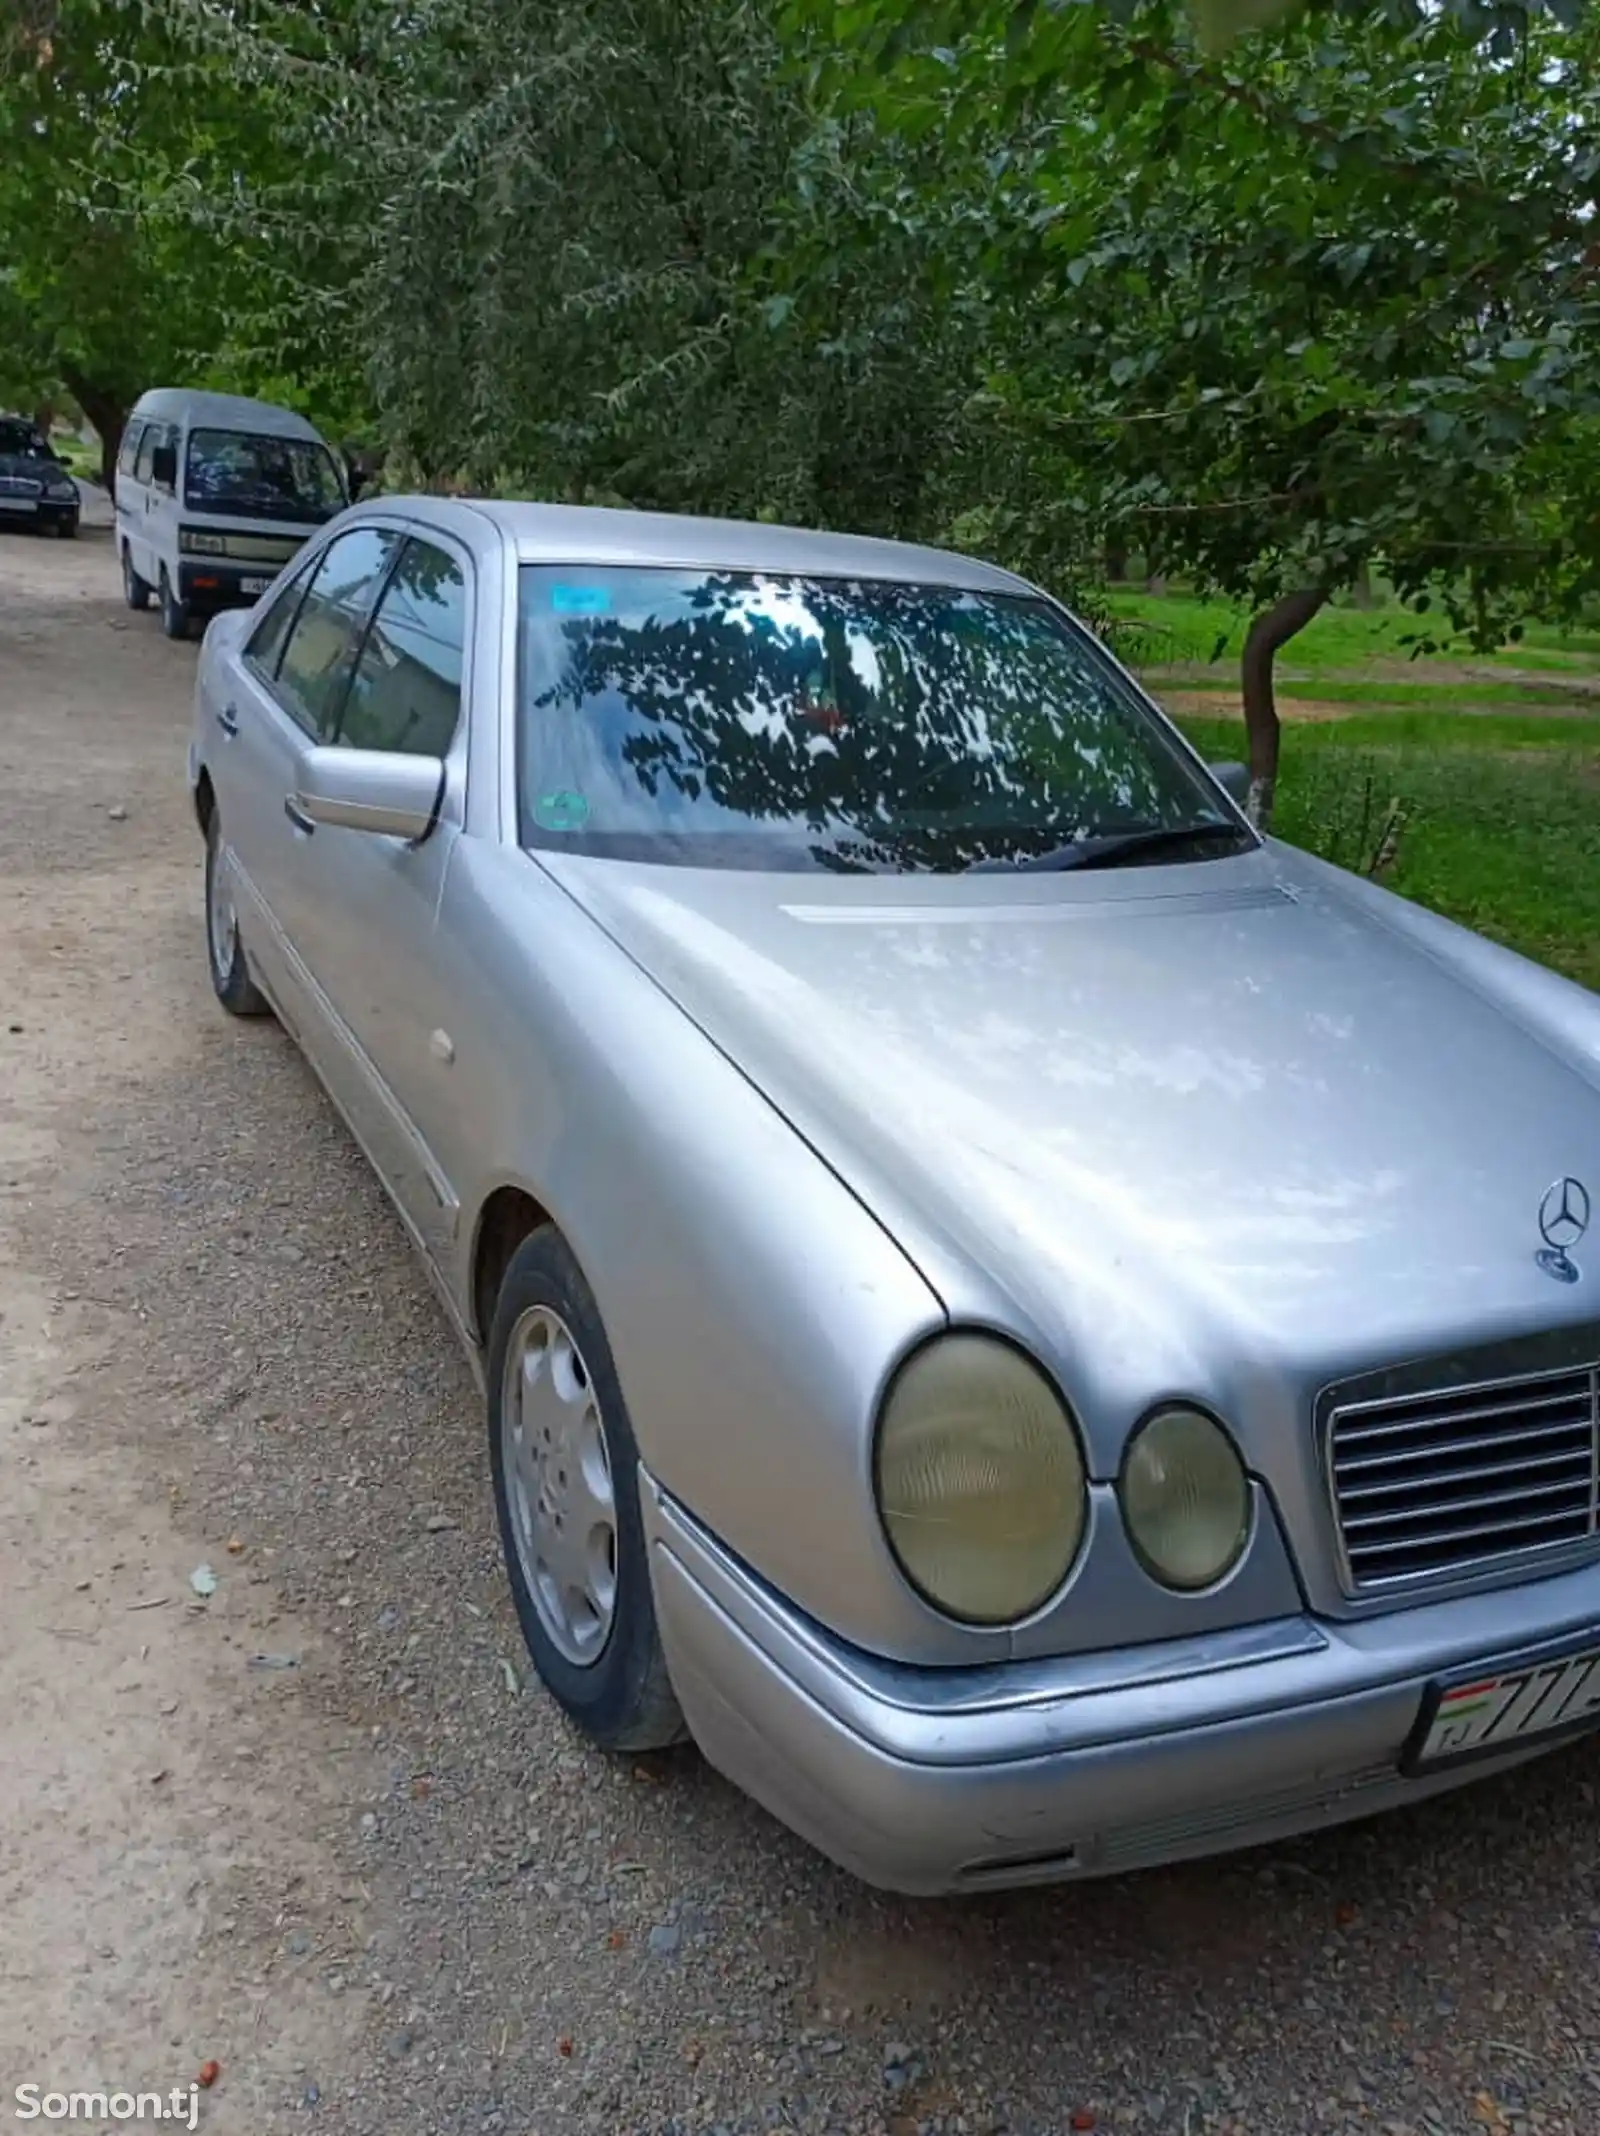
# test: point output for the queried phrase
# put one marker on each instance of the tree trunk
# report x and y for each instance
(1272, 628)
(108, 412)
(1116, 564)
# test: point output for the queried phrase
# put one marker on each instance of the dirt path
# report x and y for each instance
(378, 1880)
(161, 1800)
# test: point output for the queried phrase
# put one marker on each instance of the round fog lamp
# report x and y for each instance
(979, 1478)
(1185, 1498)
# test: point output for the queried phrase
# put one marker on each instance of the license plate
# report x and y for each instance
(19, 504)
(254, 585)
(1502, 1709)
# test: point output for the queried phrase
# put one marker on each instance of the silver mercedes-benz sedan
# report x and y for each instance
(1048, 1332)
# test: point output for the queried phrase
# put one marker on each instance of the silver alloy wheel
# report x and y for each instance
(558, 1485)
(220, 917)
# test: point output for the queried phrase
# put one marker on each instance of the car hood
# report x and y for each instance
(22, 463)
(1251, 1107)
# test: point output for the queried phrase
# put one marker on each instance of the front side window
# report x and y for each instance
(725, 719)
(406, 693)
(265, 646)
(129, 454)
(314, 670)
(144, 466)
(160, 434)
(261, 477)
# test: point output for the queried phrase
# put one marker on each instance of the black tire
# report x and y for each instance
(68, 530)
(135, 590)
(174, 613)
(623, 1699)
(233, 987)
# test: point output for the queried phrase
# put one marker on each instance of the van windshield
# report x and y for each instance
(261, 477)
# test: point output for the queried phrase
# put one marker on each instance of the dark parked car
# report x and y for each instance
(35, 487)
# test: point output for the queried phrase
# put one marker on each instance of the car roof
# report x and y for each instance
(224, 411)
(592, 534)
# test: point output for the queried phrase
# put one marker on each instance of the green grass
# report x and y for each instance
(83, 460)
(1434, 696)
(1502, 805)
(1162, 629)
(1503, 817)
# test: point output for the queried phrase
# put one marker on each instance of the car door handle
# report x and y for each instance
(228, 720)
(297, 815)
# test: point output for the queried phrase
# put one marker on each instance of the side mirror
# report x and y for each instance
(164, 466)
(1234, 779)
(378, 790)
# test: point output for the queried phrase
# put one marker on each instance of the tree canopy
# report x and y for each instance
(1275, 297)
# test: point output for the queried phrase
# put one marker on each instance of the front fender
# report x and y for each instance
(755, 1308)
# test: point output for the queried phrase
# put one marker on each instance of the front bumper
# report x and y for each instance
(41, 513)
(938, 1780)
(207, 584)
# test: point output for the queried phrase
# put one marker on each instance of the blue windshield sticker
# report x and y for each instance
(561, 811)
(579, 600)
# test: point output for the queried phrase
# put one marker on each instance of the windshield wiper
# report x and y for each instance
(1113, 849)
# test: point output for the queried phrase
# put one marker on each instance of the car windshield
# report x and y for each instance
(263, 477)
(22, 440)
(725, 719)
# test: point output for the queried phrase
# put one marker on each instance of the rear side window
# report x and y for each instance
(406, 694)
(130, 448)
(314, 671)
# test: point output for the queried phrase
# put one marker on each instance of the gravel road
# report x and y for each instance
(320, 1828)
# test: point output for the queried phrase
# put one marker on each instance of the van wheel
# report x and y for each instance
(174, 613)
(135, 590)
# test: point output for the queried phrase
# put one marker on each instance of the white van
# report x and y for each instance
(214, 495)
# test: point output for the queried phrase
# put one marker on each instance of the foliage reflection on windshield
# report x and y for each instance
(263, 477)
(720, 719)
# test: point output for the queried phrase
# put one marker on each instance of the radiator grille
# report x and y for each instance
(1426, 1486)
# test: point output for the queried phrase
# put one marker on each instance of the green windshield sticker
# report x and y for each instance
(561, 811)
(579, 600)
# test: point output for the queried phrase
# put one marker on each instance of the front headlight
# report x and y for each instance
(202, 544)
(980, 1480)
(63, 489)
(1185, 1498)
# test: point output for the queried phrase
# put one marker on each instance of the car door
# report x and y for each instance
(140, 502)
(368, 929)
(127, 496)
(161, 511)
(282, 695)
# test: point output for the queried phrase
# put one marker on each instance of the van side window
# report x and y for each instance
(148, 442)
(162, 434)
(130, 446)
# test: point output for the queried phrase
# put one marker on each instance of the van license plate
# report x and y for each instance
(1502, 1709)
(255, 585)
